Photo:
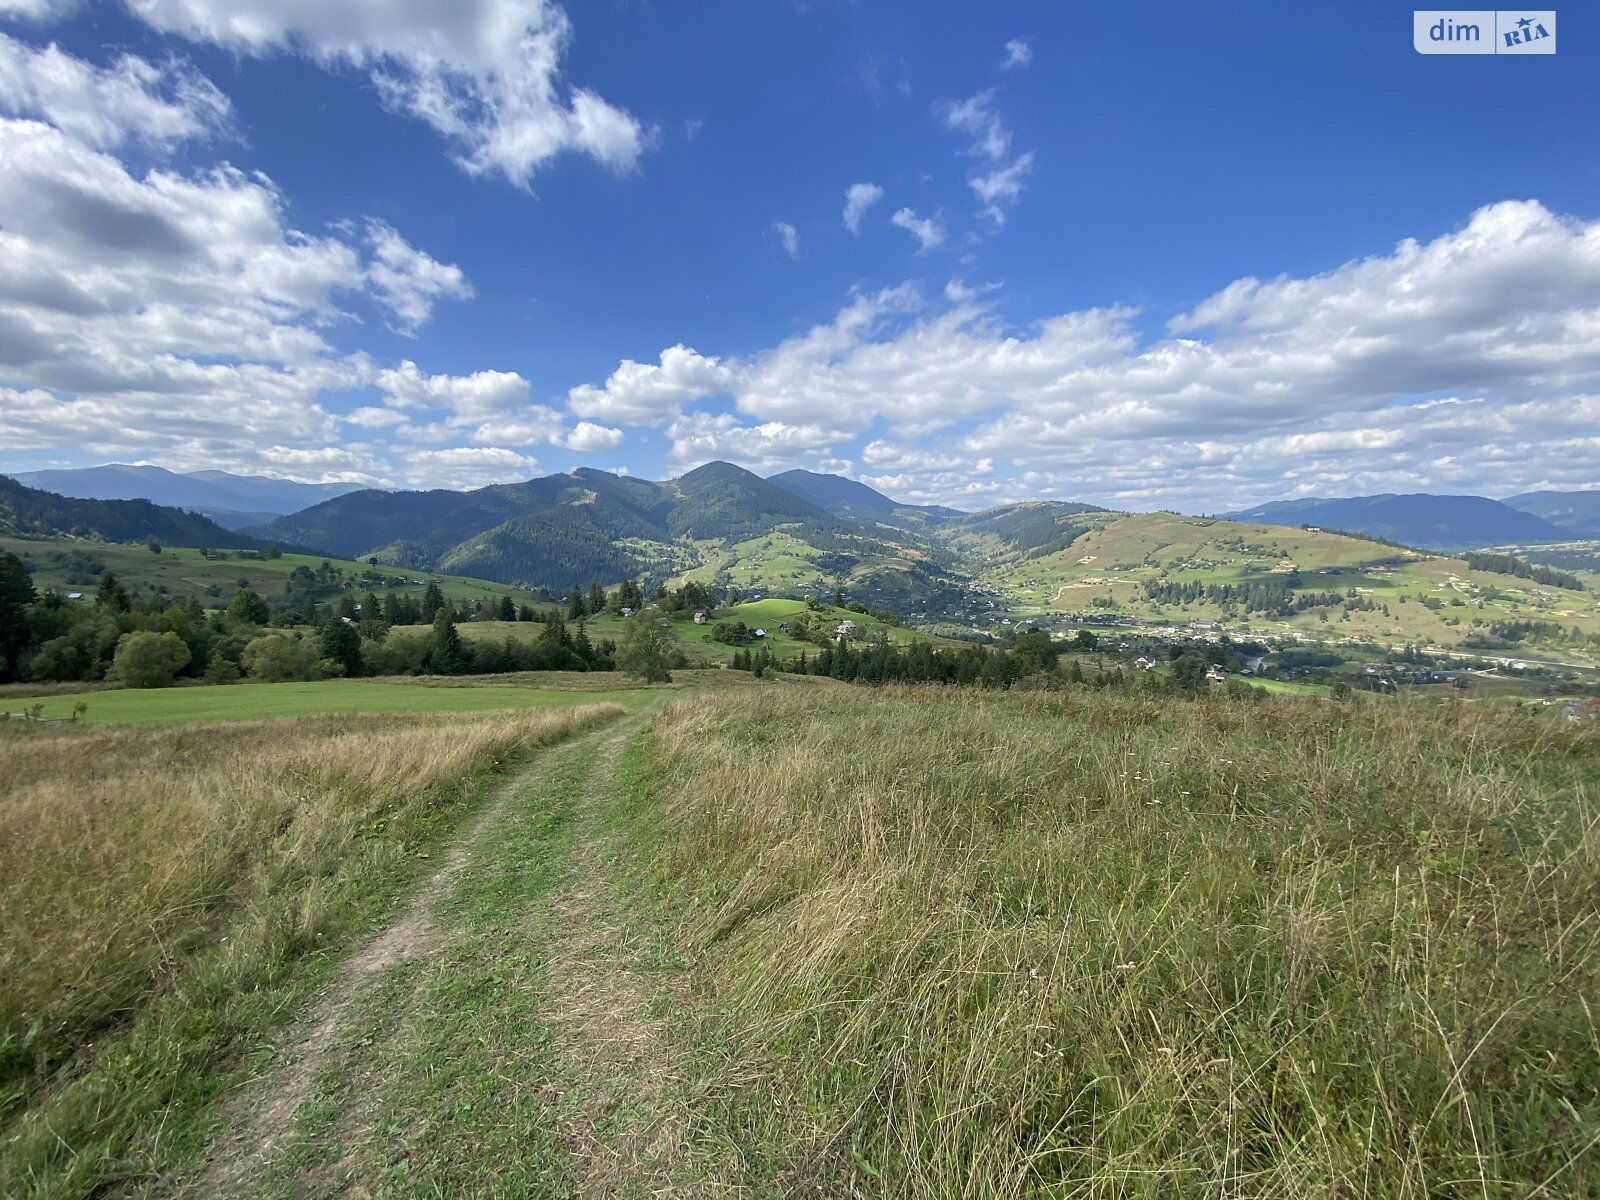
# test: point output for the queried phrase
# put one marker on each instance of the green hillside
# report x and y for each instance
(1162, 568)
(75, 566)
(718, 524)
(29, 512)
(722, 526)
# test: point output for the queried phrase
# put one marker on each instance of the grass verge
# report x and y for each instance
(996, 945)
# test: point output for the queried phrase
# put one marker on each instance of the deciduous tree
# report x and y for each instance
(148, 660)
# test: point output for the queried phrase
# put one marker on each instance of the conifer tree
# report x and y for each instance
(112, 596)
(432, 602)
(445, 652)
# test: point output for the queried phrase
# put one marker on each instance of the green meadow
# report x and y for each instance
(247, 701)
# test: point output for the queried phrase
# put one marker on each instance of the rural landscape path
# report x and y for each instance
(503, 1036)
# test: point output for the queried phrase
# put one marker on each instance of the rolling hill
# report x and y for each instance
(1430, 522)
(1163, 570)
(232, 501)
(1047, 561)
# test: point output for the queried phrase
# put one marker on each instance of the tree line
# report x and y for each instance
(1509, 564)
(154, 641)
(1277, 598)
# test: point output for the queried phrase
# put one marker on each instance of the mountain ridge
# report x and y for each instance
(1425, 520)
(238, 500)
(35, 513)
(852, 498)
(561, 530)
(1577, 511)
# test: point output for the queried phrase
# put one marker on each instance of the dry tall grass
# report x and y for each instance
(133, 860)
(1090, 945)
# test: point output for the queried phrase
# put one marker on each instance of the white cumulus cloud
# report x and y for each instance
(1470, 362)
(158, 104)
(998, 184)
(927, 230)
(587, 437)
(651, 394)
(858, 198)
(408, 281)
(486, 74)
(467, 466)
(1018, 54)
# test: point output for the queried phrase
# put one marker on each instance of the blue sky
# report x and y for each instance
(1150, 257)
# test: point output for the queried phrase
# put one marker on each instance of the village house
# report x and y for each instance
(699, 618)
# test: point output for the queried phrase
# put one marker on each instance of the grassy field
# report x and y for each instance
(172, 895)
(185, 572)
(247, 701)
(1087, 945)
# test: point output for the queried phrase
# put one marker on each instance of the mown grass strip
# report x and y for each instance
(453, 1084)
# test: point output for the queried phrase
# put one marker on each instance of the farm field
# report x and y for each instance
(249, 701)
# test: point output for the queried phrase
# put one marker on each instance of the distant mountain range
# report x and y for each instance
(847, 498)
(30, 512)
(786, 533)
(562, 530)
(1428, 522)
(232, 501)
(1577, 511)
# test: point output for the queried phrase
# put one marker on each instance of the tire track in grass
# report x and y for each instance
(502, 1037)
(264, 1117)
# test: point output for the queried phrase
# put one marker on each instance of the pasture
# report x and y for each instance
(249, 701)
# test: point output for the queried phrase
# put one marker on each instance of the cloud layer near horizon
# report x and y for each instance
(1464, 363)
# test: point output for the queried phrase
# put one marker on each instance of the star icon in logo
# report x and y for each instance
(1525, 22)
